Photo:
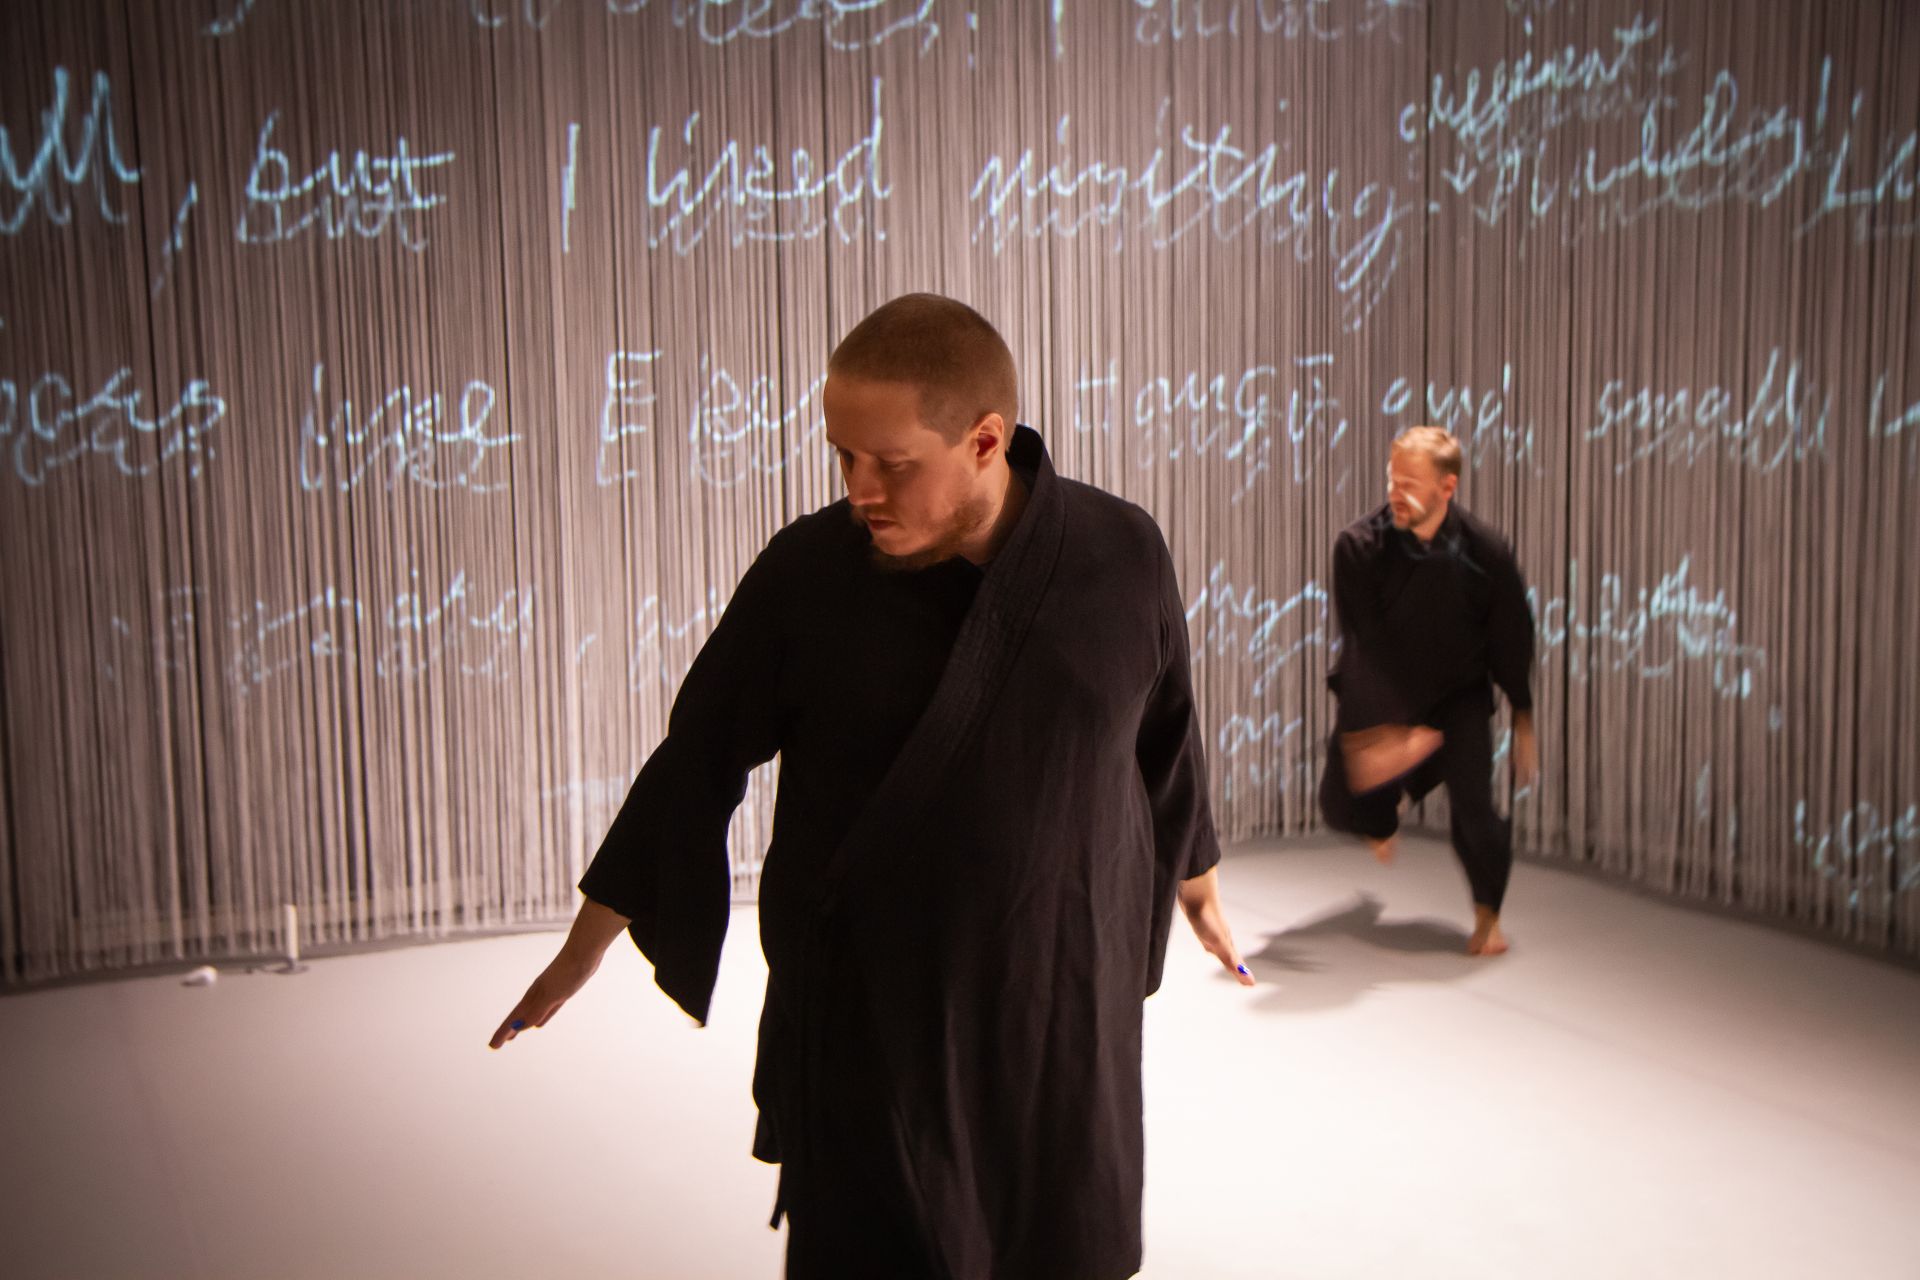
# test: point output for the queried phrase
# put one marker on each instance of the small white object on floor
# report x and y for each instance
(205, 976)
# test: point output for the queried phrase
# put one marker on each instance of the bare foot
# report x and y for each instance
(1383, 850)
(1375, 757)
(1487, 939)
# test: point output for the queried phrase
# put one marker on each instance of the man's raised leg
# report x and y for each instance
(1384, 753)
(1373, 816)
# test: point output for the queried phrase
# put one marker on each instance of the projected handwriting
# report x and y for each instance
(661, 647)
(1203, 183)
(846, 25)
(696, 179)
(63, 157)
(47, 425)
(1259, 636)
(171, 646)
(1648, 632)
(1678, 153)
(176, 243)
(451, 626)
(1888, 420)
(472, 633)
(1227, 622)
(1261, 756)
(361, 194)
(568, 173)
(242, 10)
(1864, 847)
(626, 412)
(738, 431)
(427, 438)
(1482, 422)
(1172, 21)
(269, 640)
(1250, 419)
(1784, 419)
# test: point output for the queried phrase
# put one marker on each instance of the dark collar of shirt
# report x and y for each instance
(1449, 540)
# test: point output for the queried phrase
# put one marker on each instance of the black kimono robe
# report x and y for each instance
(1424, 625)
(969, 888)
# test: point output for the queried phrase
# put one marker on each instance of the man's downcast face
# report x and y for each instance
(1415, 487)
(916, 494)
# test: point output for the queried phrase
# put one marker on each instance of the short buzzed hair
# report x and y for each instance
(959, 362)
(1436, 444)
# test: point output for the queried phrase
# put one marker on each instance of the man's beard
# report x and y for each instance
(969, 518)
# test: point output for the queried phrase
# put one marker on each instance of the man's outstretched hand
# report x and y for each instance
(579, 957)
(1200, 900)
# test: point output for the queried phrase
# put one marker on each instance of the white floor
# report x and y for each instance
(1636, 1090)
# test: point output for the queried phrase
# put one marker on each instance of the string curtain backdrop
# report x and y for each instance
(392, 391)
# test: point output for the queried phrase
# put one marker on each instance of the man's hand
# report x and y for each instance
(1200, 899)
(1526, 751)
(1374, 757)
(593, 929)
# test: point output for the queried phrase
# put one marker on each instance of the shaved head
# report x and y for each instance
(947, 350)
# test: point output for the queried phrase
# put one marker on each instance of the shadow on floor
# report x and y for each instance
(1334, 959)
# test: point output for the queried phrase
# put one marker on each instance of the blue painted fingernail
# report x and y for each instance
(1243, 969)
(519, 1025)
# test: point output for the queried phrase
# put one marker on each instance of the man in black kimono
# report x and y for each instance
(992, 793)
(1432, 613)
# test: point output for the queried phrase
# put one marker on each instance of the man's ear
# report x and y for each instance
(1449, 486)
(989, 434)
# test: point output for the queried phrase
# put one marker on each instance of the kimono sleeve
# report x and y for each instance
(1171, 750)
(663, 862)
(1365, 679)
(1510, 631)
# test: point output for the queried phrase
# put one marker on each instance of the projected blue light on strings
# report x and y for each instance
(698, 181)
(46, 425)
(360, 194)
(1497, 129)
(62, 157)
(428, 438)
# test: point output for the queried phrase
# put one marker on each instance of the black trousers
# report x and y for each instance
(874, 1238)
(1482, 839)
(883, 1251)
